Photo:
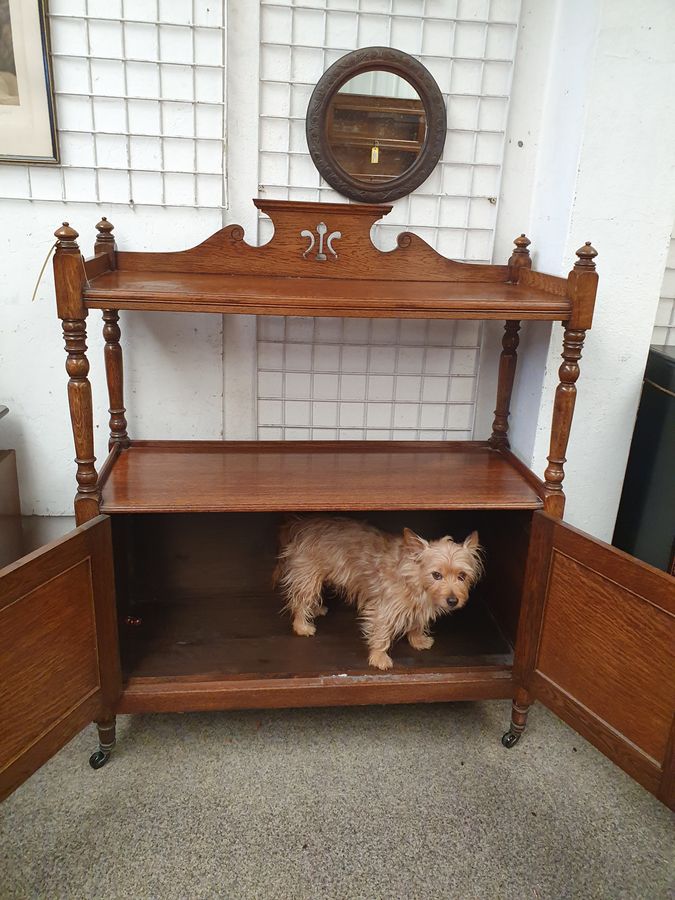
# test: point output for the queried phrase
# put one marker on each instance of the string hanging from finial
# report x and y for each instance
(42, 270)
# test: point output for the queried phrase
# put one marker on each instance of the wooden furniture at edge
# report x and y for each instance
(189, 526)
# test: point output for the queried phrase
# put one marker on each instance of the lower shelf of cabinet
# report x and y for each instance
(210, 654)
(145, 695)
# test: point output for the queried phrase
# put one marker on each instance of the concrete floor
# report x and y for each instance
(372, 802)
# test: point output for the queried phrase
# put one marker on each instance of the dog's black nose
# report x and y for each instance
(452, 602)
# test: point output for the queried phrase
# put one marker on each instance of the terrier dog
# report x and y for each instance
(399, 583)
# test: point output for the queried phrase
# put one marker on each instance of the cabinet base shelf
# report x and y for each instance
(237, 651)
(145, 695)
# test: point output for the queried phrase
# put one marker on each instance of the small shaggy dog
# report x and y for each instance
(399, 583)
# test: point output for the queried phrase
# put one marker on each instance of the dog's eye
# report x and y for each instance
(461, 576)
(436, 575)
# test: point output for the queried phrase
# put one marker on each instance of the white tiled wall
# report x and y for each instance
(140, 102)
(384, 379)
(664, 327)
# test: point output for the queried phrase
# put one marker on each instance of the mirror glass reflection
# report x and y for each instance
(376, 126)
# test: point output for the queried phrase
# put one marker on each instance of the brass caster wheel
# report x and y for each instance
(98, 759)
(510, 739)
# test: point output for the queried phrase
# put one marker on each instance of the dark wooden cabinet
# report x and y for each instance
(190, 527)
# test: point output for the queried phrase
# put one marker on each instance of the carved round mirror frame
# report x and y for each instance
(365, 60)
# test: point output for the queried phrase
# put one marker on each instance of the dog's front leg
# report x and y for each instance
(419, 640)
(379, 640)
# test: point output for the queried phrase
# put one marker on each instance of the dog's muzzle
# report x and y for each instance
(452, 602)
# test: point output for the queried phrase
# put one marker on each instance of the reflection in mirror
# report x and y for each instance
(376, 126)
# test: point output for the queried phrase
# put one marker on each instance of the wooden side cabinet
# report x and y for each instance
(59, 653)
(187, 539)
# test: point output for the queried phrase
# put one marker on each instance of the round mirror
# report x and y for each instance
(376, 124)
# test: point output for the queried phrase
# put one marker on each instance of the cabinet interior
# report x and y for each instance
(195, 599)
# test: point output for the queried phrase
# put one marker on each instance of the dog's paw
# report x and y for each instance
(420, 642)
(380, 660)
(306, 629)
(322, 610)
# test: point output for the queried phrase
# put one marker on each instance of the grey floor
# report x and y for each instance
(379, 802)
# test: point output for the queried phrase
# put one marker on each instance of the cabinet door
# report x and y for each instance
(597, 647)
(59, 659)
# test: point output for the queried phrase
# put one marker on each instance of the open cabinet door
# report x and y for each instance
(59, 659)
(597, 647)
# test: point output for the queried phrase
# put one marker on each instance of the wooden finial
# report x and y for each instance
(520, 258)
(105, 229)
(586, 255)
(66, 238)
(105, 241)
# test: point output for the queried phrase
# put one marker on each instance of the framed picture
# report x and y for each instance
(27, 115)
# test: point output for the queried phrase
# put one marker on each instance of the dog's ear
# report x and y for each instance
(471, 543)
(413, 541)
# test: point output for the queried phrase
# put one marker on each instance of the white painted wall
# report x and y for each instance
(664, 326)
(142, 115)
(544, 134)
(615, 65)
(524, 137)
(239, 397)
(173, 362)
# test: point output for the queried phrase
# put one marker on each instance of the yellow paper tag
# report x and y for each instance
(375, 154)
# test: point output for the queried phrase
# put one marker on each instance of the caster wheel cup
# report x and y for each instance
(98, 759)
(509, 739)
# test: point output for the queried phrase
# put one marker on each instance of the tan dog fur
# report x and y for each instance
(399, 583)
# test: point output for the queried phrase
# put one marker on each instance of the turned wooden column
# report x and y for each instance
(507, 373)
(520, 707)
(69, 278)
(520, 259)
(114, 374)
(583, 283)
(114, 368)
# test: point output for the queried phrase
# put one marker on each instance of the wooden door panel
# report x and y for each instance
(59, 664)
(605, 655)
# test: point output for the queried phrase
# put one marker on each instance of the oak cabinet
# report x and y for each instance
(161, 599)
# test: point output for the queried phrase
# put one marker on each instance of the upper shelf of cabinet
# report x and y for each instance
(329, 297)
(321, 261)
